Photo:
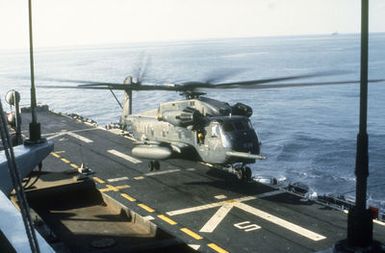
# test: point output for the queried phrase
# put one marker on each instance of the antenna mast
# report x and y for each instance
(34, 126)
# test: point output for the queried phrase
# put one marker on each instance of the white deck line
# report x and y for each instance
(214, 221)
(117, 179)
(194, 246)
(208, 206)
(79, 137)
(124, 156)
(271, 193)
(161, 172)
(281, 222)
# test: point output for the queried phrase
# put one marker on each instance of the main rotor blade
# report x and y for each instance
(290, 85)
(192, 85)
(132, 87)
(259, 81)
(138, 87)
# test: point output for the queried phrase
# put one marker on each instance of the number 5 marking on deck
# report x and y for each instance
(246, 226)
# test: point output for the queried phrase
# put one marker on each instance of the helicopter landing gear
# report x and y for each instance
(243, 172)
(153, 165)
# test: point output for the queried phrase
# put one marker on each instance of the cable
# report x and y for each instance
(28, 185)
(16, 181)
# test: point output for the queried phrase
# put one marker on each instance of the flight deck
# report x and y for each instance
(208, 209)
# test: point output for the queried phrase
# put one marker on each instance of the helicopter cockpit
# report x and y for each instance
(233, 133)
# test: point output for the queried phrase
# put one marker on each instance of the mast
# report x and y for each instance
(34, 126)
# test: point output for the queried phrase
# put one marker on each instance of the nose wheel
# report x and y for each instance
(153, 165)
(243, 173)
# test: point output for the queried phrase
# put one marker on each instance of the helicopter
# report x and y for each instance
(197, 127)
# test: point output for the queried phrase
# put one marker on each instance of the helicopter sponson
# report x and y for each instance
(152, 151)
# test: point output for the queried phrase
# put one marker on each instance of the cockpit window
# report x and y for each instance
(228, 127)
(238, 125)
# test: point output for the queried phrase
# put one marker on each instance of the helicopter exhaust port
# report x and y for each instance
(183, 118)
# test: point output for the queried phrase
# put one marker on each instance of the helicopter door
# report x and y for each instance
(213, 143)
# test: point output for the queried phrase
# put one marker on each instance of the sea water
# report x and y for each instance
(308, 134)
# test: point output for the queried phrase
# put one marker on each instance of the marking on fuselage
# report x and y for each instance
(79, 137)
(161, 172)
(227, 205)
(124, 156)
(117, 179)
(220, 196)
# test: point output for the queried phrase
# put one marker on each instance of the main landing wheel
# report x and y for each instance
(153, 165)
(243, 173)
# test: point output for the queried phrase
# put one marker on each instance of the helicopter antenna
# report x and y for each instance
(34, 126)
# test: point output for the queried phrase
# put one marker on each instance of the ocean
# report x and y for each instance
(308, 134)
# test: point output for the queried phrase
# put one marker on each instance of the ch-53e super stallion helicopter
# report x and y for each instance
(197, 127)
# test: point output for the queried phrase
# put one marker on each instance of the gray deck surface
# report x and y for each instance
(207, 208)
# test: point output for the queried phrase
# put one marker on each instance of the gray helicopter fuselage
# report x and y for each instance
(200, 127)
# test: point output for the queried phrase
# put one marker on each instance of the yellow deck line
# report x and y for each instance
(167, 219)
(217, 248)
(65, 160)
(98, 180)
(74, 166)
(147, 208)
(128, 197)
(112, 188)
(55, 155)
(191, 233)
(120, 187)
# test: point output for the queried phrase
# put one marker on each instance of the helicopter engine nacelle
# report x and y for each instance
(241, 109)
(189, 116)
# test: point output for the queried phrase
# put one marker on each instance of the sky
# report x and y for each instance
(59, 23)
